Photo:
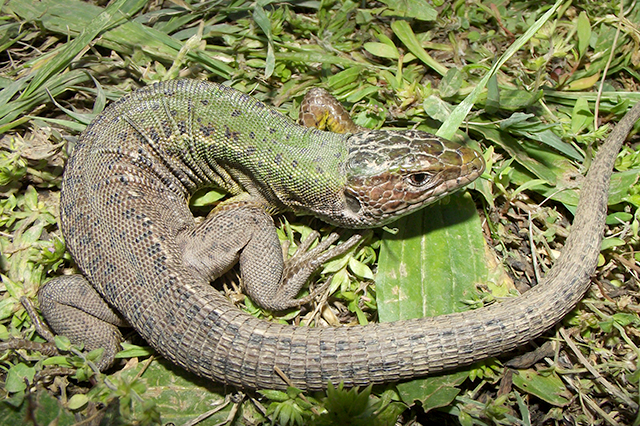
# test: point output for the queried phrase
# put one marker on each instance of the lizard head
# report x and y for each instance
(393, 173)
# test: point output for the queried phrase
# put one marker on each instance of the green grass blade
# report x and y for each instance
(451, 125)
(111, 16)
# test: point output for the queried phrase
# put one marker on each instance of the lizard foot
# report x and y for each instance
(305, 262)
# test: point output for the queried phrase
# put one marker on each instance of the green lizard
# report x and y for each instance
(125, 217)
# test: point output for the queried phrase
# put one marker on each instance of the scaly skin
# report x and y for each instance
(125, 219)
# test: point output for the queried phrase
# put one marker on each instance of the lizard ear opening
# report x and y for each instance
(352, 203)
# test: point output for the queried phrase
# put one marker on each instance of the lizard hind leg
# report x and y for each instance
(74, 309)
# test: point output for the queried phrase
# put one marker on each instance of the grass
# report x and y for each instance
(535, 92)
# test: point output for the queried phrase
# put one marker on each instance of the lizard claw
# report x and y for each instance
(305, 262)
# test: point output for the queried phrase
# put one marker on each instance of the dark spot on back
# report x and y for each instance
(229, 134)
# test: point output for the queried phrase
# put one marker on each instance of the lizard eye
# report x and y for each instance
(419, 179)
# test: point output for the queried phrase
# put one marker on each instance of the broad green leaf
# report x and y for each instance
(584, 33)
(548, 387)
(180, 396)
(418, 9)
(451, 83)
(404, 32)
(77, 401)
(382, 50)
(43, 409)
(581, 116)
(619, 217)
(433, 263)
(433, 392)
(18, 376)
(607, 243)
(428, 268)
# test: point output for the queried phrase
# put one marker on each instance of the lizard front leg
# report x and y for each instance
(245, 232)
